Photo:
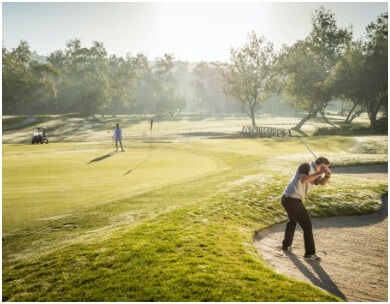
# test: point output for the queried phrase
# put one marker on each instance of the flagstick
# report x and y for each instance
(150, 149)
(150, 144)
(150, 138)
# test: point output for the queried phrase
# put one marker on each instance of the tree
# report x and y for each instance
(376, 68)
(124, 75)
(203, 84)
(143, 94)
(200, 94)
(309, 62)
(361, 74)
(25, 80)
(250, 77)
(16, 78)
(45, 76)
(208, 88)
(165, 92)
(84, 85)
(348, 80)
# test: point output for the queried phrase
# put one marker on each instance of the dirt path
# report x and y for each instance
(354, 252)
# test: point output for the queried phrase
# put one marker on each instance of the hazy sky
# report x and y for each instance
(192, 31)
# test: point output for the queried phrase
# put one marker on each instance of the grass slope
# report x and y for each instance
(178, 227)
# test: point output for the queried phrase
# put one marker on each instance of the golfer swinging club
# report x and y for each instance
(118, 137)
(307, 175)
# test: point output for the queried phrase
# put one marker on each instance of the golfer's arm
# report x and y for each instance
(309, 178)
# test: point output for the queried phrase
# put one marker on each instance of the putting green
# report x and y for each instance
(41, 181)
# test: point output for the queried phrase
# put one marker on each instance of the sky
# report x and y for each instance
(191, 31)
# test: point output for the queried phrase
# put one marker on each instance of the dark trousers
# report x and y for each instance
(297, 213)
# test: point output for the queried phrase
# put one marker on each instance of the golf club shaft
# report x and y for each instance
(315, 157)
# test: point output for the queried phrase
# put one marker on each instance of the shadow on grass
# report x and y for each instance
(137, 166)
(100, 158)
(142, 162)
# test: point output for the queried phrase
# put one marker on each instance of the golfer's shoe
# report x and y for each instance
(123, 150)
(312, 257)
(286, 248)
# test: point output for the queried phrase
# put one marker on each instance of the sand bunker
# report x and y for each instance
(354, 250)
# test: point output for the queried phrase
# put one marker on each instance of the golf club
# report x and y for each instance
(315, 157)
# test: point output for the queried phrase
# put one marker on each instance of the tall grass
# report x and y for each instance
(184, 236)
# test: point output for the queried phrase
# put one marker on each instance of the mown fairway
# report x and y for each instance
(170, 220)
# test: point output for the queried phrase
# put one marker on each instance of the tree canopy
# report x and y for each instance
(250, 77)
(307, 64)
(25, 80)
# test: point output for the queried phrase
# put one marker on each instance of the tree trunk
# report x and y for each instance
(348, 119)
(326, 119)
(312, 113)
(356, 114)
(302, 122)
(372, 110)
(253, 117)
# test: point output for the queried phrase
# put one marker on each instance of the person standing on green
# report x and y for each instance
(118, 137)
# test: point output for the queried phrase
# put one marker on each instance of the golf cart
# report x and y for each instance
(39, 136)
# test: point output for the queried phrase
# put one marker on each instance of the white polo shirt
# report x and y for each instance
(295, 188)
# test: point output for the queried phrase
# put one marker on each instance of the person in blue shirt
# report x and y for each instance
(118, 137)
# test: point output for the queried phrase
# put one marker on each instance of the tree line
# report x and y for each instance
(325, 66)
(88, 81)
